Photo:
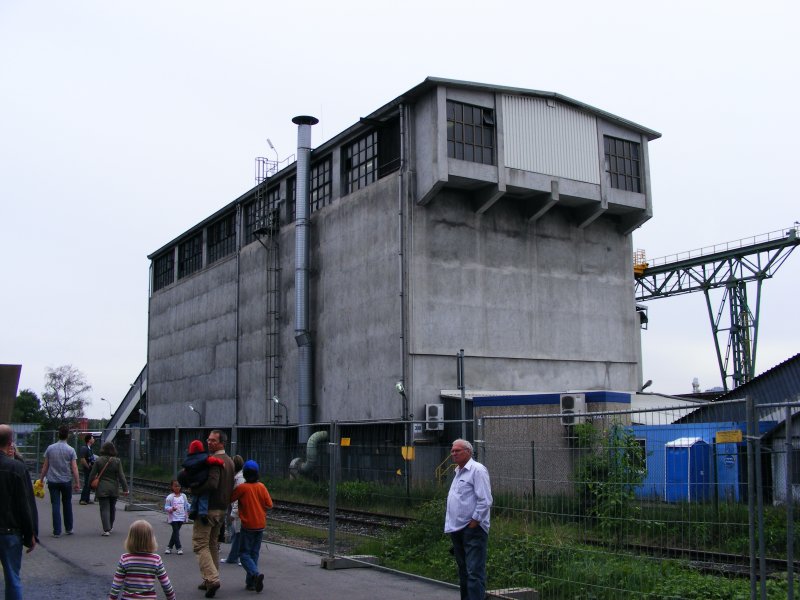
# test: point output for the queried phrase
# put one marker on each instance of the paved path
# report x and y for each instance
(82, 566)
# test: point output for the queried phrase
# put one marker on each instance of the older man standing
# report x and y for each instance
(61, 469)
(467, 520)
(17, 526)
(205, 533)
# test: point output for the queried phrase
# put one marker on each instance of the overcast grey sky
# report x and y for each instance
(124, 123)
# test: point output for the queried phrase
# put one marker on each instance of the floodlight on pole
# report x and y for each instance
(199, 414)
(278, 403)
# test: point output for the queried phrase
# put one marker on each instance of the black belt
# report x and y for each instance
(7, 531)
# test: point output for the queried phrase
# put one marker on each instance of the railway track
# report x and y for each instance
(353, 522)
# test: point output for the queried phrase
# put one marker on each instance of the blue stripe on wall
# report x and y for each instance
(539, 399)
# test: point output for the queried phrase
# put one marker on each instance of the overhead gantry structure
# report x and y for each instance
(732, 267)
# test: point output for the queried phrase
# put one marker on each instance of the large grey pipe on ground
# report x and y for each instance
(302, 334)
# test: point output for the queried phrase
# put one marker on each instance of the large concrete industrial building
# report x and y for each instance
(457, 216)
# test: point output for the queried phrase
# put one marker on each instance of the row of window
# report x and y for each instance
(363, 162)
(470, 137)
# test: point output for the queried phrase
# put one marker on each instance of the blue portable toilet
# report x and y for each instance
(687, 470)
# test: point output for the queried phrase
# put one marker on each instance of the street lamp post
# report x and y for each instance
(109, 407)
(199, 414)
(278, 403)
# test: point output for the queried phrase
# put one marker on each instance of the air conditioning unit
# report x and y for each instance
(573, 408)
(434, 417)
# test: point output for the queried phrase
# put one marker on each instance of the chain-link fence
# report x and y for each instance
(682, 502)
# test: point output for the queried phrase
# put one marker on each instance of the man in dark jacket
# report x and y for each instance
(205, 535)
(86, 461)
(17, 527)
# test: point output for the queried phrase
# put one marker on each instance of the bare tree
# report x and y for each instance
(64, 396)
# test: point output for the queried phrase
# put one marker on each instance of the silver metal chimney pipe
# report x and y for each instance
(302, 334)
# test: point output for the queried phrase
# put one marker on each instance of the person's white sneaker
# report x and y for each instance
(167, 551)
(180, 550)
(106, 533)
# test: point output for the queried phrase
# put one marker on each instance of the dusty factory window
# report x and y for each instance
(261, 212)
(319, 189)
(164, 270)
(360, 162)
(291, 198)
(221, 238)
(190, 255)
(623, 163)
(470, 133)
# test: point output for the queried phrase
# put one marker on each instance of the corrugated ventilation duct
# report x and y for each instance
(302, 335)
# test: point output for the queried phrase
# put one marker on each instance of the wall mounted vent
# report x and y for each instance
(434, 417)
(573, 408)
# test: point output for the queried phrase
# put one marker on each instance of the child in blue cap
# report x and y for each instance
(254, 500)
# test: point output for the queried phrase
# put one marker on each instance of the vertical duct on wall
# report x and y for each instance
(302, 335)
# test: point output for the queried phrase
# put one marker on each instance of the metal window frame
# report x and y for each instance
(471, 134)
(164, 270)
(360, 162)
(256, 210)
(190, 255)
(624, 169)
(321, 184)
(221, 238)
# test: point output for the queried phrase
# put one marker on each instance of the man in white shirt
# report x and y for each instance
(467, 520)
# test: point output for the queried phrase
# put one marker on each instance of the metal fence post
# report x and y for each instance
(787, 419)
(751, 488)
(130, 478)
(333, 444)
(762, 553)
(533, 470)
(38, 453)
(175, 451)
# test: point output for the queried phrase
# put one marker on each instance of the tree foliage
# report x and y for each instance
(610, 466)
(27, 408)
(65, 396)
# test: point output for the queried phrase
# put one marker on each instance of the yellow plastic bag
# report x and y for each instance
(38, 488)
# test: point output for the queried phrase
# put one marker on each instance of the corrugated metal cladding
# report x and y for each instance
(779, 384)
(545, 136)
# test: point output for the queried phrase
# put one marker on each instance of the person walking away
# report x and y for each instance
(254, 500)
(61, 469)
(140, 566)
(205, 535)
(109, 469)
(17, 526)
(469, 502)
(194, 474)
(177, 507)
(86, 458)
(234, 523)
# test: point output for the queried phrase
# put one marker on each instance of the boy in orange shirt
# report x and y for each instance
(254, 500)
